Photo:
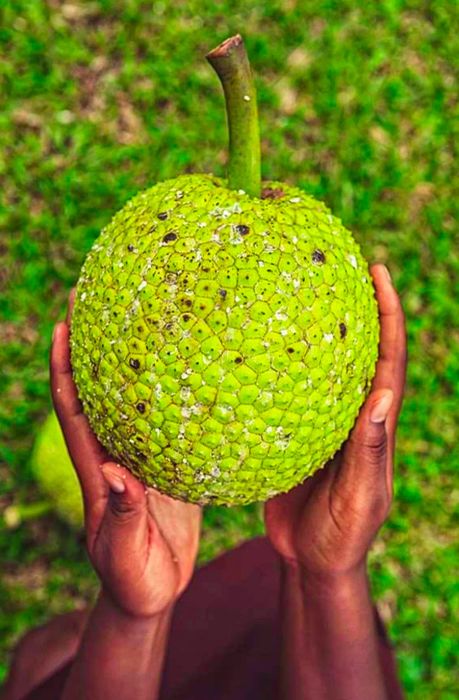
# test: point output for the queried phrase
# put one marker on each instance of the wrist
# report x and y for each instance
(330, 582)
(125, 618)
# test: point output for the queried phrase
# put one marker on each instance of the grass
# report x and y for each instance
(359, 106)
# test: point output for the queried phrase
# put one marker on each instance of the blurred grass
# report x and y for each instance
(359, 106)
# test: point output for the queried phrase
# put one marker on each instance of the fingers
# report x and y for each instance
(85, 451)
(391, 367)
(366, 454)
(63, 390)
(390, 371)
(125, 519)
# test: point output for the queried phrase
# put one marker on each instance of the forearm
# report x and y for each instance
(120, 657)
(330, 644)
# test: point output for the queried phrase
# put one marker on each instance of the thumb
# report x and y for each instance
(366, 451)
(126, 510)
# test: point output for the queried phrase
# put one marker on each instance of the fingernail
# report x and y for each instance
(387, 273)
(381, 408)
(54, 332)
(114, 481)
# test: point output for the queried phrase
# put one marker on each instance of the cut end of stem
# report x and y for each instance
(225, 47)
(230, 62)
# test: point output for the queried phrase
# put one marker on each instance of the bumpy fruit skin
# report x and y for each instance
(222, 346)
(54, 472)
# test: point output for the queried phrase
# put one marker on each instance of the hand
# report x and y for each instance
(326, 525)
(142, 544)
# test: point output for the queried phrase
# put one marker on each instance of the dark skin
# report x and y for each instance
(143, 546)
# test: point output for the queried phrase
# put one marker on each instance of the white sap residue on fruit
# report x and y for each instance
(353, 260)
(158, 391)
(328, 337)
(142, 285)
(295, 200)
(282, 444)
(225, 212)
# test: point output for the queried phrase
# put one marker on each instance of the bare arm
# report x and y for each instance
(120, 656)
(323, 530)
(330, 645)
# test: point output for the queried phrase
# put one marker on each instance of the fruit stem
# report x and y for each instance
(230, 62)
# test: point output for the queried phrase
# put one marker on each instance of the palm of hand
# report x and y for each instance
(323, 524)
(150, 565)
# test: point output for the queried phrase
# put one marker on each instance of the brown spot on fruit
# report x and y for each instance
(162, 215)
(135, 364)
(242, 229)
(318, 257)
(171, 236)
(342, 330)
(130, 247)
(223, 293)
(238, 360)
(140, 407)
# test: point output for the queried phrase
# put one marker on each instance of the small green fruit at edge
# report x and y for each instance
(56, 478)
(225, 332)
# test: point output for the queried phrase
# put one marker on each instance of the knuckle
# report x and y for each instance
(372, 448)
(124, 510)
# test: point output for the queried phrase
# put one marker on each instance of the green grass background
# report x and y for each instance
(358, 105)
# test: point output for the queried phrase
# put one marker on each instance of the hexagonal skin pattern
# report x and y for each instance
(223, 345)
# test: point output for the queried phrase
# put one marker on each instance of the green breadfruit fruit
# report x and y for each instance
(225, 333)
(54, 472)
